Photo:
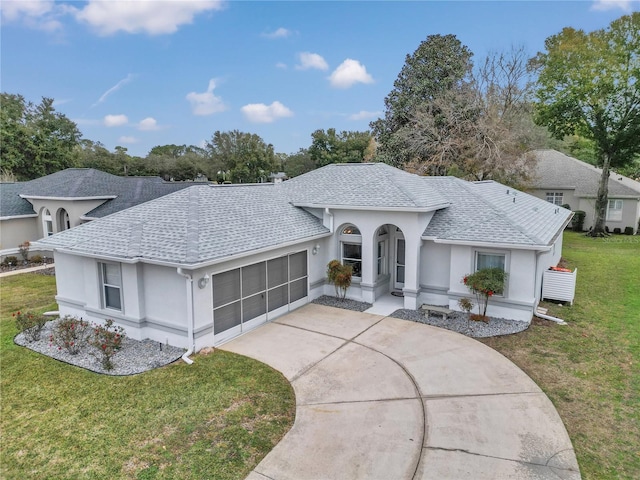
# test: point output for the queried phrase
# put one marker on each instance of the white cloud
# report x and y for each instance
(148, 124)
(142, 16)
(311, 60)
(364, 115)
(36, 14)
(115, 88)
(602, 5)
(206, 103)
(279, 33)
(115, 120)
(127, 139)
(261, 113)
(282, 66)
(349, 73)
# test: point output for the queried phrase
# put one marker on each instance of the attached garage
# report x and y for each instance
(246, 297)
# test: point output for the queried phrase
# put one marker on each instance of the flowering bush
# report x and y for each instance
(340, 275)
(70, 333)
(30, 324)
(107, 340)
(484, 284)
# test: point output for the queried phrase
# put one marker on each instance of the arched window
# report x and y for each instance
(351, 249)
(47, 223)
(64, 223)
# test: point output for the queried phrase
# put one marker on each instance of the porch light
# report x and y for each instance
(316, 249)
(203, 281)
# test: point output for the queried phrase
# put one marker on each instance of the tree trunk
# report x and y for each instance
(602, 200)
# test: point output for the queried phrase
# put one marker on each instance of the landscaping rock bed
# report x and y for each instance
(458, 322)
(134, 356)
(347, 304)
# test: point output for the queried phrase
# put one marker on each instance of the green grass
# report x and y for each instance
(590, 369)
(216, 418)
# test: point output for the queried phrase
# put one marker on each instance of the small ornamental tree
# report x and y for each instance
(70, 333)
(340, 276)
(24, 250)
(484, 284)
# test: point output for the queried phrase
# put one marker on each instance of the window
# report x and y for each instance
(490, 260)
(555, 198)
(614, 212)
(351, 249)
(47, 223)
(111, 285)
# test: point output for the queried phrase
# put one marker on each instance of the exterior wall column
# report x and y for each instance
(369, 265)
(411, 288)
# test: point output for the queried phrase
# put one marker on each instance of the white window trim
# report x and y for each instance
(553, 197)
(47, 221)
(351, 239)
(507, 260)
(618, 211)
(103, 285)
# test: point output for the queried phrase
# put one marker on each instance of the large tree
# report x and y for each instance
(589, 85)
(440, 64)
(242, 157)
(35, 140)
(344, 147)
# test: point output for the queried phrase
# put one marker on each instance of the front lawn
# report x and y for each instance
(590, 369)
(216, 418)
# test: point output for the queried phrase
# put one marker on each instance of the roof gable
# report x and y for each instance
(375, 186)
(555, 170)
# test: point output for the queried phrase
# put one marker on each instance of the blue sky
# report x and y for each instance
(145, 73)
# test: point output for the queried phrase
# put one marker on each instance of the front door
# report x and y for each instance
(398, 277)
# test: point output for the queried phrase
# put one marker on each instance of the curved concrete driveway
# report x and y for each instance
(382, 398)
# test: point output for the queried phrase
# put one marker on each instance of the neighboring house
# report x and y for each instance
(561, 180)
(204, 264)
(47, 205)
(278, 177)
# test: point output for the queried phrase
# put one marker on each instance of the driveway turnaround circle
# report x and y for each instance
(384, 398)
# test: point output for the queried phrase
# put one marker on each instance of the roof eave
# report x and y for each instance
(503, 245)
(44, 197)
(430, 208)
(15, 217)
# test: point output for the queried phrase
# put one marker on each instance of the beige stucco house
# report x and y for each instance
(207, 263)
(564, 180)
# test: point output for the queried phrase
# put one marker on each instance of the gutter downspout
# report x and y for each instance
(190, 315)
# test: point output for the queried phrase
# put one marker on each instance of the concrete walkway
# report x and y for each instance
(383, 398)
(27, 270)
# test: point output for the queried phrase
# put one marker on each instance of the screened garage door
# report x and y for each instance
(245, 297)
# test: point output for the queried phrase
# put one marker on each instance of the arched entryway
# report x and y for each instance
(63, 221)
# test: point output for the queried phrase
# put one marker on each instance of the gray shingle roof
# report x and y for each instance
(375, 185)
(559, 171)
(485, 212)
(87, 183)
(11, 205)
(195, 225)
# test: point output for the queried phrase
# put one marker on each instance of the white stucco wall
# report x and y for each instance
(75, 209)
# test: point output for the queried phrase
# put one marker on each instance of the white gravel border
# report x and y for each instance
(134, 356)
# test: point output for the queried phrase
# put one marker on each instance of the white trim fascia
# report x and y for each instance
(375, 208)
(507, 246)
(38, 197)
(187, 266)
(84, 217)
(15, 217)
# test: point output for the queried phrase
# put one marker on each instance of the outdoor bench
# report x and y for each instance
(444, 311)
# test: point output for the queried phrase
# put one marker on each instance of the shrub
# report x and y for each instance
(566, 205)
(465, 304)
(578, 220)
(484, 284)
(30, 324)
(70, 333)
(628, 230)
(36, 259)
(10, 260)
(24, 250)
(617, 231)
(340, 276)
(107, 340)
